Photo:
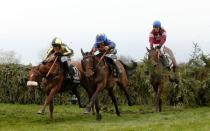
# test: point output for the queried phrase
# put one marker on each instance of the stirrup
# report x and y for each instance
(68, 76)
(76, 79)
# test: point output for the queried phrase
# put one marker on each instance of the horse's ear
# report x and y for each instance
(91, 52)
(82, 52)
(147, 49)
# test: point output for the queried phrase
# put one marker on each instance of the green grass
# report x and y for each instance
(71, 118)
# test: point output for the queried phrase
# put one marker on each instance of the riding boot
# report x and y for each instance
(117, 71)
(165, 61)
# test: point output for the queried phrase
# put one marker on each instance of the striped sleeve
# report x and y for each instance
(67, 51)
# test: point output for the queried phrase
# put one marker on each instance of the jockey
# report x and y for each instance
(103, 44)
(60, 49)
(157, 39)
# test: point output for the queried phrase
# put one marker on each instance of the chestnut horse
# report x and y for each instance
(159, 76)
(97, 71)
(54, 81)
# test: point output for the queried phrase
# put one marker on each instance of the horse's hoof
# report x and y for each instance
(81, 106)
(99, 117)
(87, 111)
(130, 103)
(40, 113)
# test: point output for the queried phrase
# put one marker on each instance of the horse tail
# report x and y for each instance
(129, 69)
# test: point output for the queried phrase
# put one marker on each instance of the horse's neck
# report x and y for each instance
(45, 68)
(99, 63)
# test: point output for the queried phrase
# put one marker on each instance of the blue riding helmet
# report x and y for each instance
(157, 23)
(100, 38)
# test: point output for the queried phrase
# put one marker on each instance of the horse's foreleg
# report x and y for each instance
(50, 100)
(93, 100)
(87, 109)
(42, 110)
(97, 107)
(159, 100)
(51, 107)
(95, 95)
(111, 94)
(125, 89)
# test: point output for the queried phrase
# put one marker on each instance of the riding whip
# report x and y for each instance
(52, 66)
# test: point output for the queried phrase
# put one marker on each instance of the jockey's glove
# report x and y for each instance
(159, 46)
(58, 54)
(44, 62)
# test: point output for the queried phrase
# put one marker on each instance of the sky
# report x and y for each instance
(28, 26)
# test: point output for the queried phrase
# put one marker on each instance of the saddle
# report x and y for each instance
(112, 66)
(169, 57)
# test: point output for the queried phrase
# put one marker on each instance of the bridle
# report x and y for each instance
(94, 58)
(157, 55)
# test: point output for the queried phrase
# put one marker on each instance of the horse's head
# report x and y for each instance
(41, 71)
(88, 63)
(34, 77)
(154, 56)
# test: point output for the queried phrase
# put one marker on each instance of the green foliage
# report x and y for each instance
(13, 83)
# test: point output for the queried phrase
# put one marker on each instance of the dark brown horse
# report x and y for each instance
(159, 76)
(100, 77)
(54, 81)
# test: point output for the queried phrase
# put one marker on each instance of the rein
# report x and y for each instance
(52, 66)
(101, 58)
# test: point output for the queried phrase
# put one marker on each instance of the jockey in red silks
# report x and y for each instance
(157, 39)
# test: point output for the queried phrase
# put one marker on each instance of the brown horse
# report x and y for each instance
(54, 81)
(159, 75)
(100, 77)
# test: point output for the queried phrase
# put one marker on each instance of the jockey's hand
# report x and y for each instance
(101, 49)
(58, 54)
(159, 46)
(44, 61)
(106, 48)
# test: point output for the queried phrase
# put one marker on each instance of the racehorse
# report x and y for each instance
(159, 75)
(54, 81)
(100, 77)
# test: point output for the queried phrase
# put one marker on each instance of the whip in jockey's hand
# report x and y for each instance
(58, 53)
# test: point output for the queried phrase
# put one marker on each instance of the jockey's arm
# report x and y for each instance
(163, 39)
(68, 51)
(111, 44)
(151, 40)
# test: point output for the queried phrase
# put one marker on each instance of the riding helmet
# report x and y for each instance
(157, 23)
(100, 38)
